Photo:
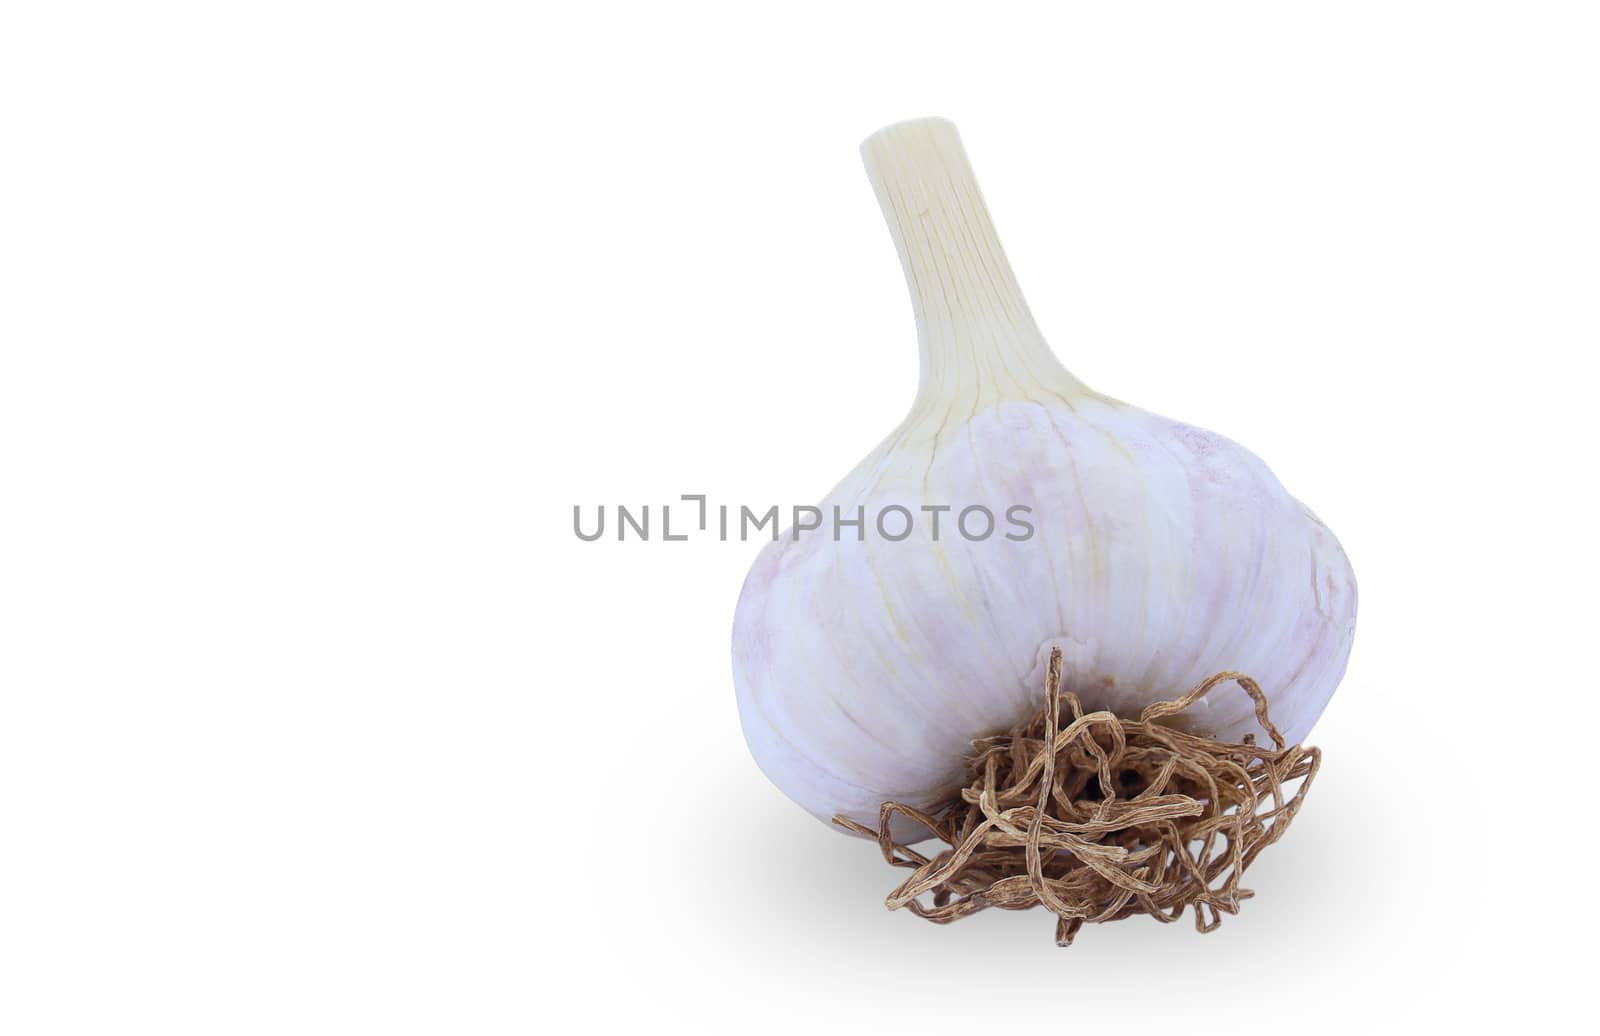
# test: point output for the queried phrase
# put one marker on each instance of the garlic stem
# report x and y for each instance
(973, 324)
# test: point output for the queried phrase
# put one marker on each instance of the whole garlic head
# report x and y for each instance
(1159, 553)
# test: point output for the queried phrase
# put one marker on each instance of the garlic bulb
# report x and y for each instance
(1151, 552)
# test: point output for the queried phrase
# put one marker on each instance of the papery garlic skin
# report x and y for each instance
(1160, 553)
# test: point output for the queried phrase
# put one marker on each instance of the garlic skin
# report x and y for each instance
(1160, 554)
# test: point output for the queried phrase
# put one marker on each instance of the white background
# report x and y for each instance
(318, 319)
